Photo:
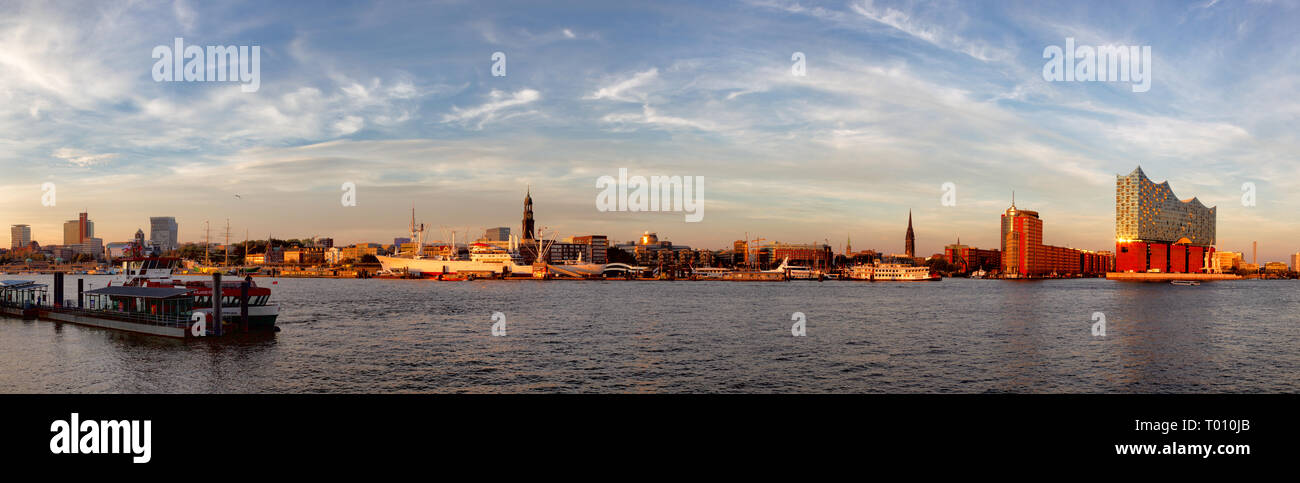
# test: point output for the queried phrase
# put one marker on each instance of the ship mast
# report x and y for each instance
(207, 242)
(226, 248)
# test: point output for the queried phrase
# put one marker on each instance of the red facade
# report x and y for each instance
(1137, 256)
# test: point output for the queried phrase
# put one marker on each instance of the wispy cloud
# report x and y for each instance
(499, 104)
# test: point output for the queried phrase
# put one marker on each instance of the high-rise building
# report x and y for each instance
(499, 234)
(1025, 256)
(78, 231)
(21, 235)
(528, 215)
(1295, 262)
(1022, 239)
(1157, 232)
(909, 242)
(163, 233)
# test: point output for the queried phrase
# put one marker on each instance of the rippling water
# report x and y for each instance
(957, 335)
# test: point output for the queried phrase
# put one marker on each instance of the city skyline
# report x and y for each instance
(897, 100)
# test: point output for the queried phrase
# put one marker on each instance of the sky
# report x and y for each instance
(399, 99)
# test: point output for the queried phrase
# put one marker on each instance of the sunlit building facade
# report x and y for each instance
(1025, 256)
(1157, 232)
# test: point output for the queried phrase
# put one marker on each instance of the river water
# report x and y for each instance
(954, 336)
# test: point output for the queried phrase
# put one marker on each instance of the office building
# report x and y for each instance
(21, 235)
(163, 233)
(78, 231)
(498, 234)
(1025, 256)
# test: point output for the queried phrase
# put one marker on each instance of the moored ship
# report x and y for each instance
(892, 272)
(156, 272)
(486, 261)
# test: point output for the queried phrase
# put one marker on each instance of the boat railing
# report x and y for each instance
(167, 320)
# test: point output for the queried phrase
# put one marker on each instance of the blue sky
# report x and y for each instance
(398, 98)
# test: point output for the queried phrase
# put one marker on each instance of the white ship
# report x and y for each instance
(892, 272)
(484, 260)
(797, 272)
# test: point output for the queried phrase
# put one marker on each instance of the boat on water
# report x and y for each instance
(156, 272)
(1184, 282)
(796, 272)
(484, 261)
(893, 272)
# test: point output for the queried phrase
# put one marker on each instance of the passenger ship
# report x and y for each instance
(484, 260)
(892, 272)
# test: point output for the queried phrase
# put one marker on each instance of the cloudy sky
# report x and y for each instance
(399, 98)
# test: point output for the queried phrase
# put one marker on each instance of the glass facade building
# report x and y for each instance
(1157, 232)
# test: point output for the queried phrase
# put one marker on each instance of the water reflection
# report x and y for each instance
(953, 336)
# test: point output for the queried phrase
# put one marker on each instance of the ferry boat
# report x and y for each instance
(156, 272)
(893, 272)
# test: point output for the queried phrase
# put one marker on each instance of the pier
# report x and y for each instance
(1168, 277)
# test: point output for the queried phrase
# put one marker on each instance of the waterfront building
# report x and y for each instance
(909, 241)
(816, 256)
(498, 234)
(164, 233)
(1157, 232)
(356, 253)
(968, 259)
(595, 247)
(1025, 256)
(20, 236)
(1295, 262)
(1227, 262)
(740, 253)
(305, 255)
(1275, 267)
(274, 256)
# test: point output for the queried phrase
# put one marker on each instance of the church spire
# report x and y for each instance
(528, 215)
(910, 241)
